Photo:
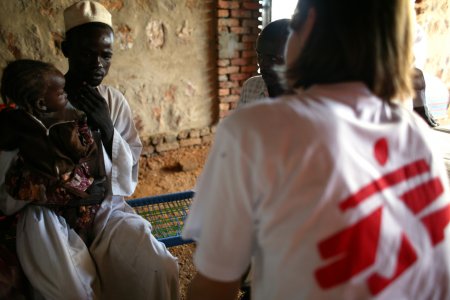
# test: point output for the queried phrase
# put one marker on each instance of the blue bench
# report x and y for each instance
(166, 213)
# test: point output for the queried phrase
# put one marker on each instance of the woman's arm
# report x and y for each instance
(204, 288)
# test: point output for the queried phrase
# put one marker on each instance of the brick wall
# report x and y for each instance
(238, 28)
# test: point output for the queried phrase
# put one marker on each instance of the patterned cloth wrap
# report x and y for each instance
(68, 193)
(61, 196)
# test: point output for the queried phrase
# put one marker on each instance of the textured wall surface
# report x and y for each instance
(161, 61)
(434, 17)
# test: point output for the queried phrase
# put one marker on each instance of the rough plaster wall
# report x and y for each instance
(160, 61)
(434, 17)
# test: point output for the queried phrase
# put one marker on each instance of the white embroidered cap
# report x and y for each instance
(84, 12)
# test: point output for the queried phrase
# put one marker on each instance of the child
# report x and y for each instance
(58, 157)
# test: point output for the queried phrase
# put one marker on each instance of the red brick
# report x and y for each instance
(250, 23)
(239, 76)
(223, 62)
(240, 30)
(235, 91)
(223, 29)
(228, 84)
(241, 13)
(229, 99)
(248, 53)
(223, 13)
(249, 69)
(228, 70)
(248, 46)
(224, 113)
(224, 92)
(251, 5)
(239, 62)
(256, 30)
(228, 22)
(223, 78)
(224, 106)
(249, 38)
(236, 53)
(227, 4)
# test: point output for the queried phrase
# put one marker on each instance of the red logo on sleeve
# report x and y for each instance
(354, 249)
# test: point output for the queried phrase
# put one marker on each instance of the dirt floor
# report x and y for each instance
(173, 171)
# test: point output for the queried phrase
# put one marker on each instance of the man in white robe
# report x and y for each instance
(124, 260)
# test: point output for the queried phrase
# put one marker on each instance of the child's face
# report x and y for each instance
(55, 96)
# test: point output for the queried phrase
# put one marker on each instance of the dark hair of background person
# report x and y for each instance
(275, 32)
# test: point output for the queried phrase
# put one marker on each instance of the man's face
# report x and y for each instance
(89, 53)
(269, 54)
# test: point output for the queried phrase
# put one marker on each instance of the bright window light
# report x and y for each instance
(283, 9)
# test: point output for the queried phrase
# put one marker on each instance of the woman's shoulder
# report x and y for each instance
(284, 113)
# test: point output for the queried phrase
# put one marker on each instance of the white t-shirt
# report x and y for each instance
(331, 194)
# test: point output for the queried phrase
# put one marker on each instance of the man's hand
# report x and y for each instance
(98, 115)
(426, 115)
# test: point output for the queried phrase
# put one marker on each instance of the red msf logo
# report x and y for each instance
(354, 249)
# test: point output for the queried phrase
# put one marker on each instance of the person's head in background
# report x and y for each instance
(368, 41)
(88, 43)
(34, 86)
(270, 52)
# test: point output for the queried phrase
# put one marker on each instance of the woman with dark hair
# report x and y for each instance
(320, 189)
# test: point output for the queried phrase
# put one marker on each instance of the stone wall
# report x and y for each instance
(164, 55)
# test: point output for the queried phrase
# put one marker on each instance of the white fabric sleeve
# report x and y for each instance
(244, 94)
(220, 218)
(126, 147)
